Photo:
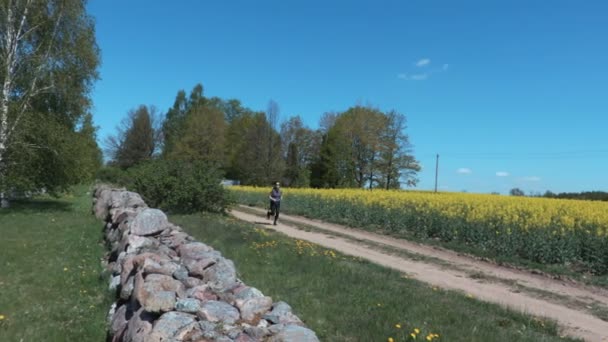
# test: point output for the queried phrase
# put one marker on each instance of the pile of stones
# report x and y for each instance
(170, 287)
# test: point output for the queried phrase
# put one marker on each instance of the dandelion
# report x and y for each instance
(379, 304)
(398, 326)
(65, 269)
(390, 339)
(2, 317)
(469, 295)
(413, 335)
(417, 331)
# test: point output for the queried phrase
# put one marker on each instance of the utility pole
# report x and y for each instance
(436, 171)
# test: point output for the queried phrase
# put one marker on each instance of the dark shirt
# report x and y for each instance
(276, 194)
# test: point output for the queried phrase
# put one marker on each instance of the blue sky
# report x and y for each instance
(508, 93)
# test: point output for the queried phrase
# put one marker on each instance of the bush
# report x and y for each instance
(180, 186)
(114, 175)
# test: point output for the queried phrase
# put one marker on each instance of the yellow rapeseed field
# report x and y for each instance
(540, 229)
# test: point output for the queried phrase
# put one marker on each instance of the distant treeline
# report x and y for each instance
(359, 147)
(585, 195)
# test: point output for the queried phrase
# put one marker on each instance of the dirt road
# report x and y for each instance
(570, 304)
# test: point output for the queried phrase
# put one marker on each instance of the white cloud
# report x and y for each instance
(502, 174)
(423, 62)
(464, 171)
(425, 75)
(531, 179)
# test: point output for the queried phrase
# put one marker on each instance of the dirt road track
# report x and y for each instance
(452, 271)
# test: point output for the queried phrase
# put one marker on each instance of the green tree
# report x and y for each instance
(48, 63)
(203, 137)
(300, 147)
(136, 139)
(90, 155)
(258, 159)
(396, 163)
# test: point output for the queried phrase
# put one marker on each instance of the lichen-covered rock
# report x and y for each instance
(168, 325)
(148, 222)
(190, 305)
(221, 276)
(215, 311)
(281, 313)
(139, 326)
(289, 333)
(253, 309)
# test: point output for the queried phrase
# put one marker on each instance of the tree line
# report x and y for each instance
(361, 147)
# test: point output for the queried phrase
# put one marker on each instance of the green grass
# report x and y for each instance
(50, 284)
(347, 299)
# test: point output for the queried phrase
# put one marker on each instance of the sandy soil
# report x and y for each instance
(562, 301)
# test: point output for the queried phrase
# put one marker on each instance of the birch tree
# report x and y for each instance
(48, 63)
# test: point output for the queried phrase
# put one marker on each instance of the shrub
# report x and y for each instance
(114, 175)
(180, 186)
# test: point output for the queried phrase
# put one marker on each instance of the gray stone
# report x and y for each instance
(202, 293)
(190, 332)
(209, 329)
(127, 288)
(114, 283)
(165, 267)
(253, 309)
(290, 333)
(221, 276)
(244, 338)
(160, 301)
(246, 294)
(168, 325)
(157, 293)
(103, 202)
(192, 282)
(139, 326)
(181, 273)
(119, 322)
(174, 240)
(126, 199)
(197, 267)
(135, 243)
(190, 305)
(192, 250)
(215, 311)
(148, 222)
(281, 313)
(258, 333)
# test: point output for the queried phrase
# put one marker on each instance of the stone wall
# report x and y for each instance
(170, 287)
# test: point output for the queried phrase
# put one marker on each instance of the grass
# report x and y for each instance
(347, 299)
(50, 284)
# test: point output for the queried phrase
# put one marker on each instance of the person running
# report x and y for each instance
(275, 202)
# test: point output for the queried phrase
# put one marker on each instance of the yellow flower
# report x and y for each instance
(398, 326)
(1, 317)
(429, 338)
(413, 335)
(417, 331)
(379, 304)
(65, 269)
(390, 339)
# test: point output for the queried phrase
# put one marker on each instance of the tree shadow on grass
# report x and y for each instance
(37, 205)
